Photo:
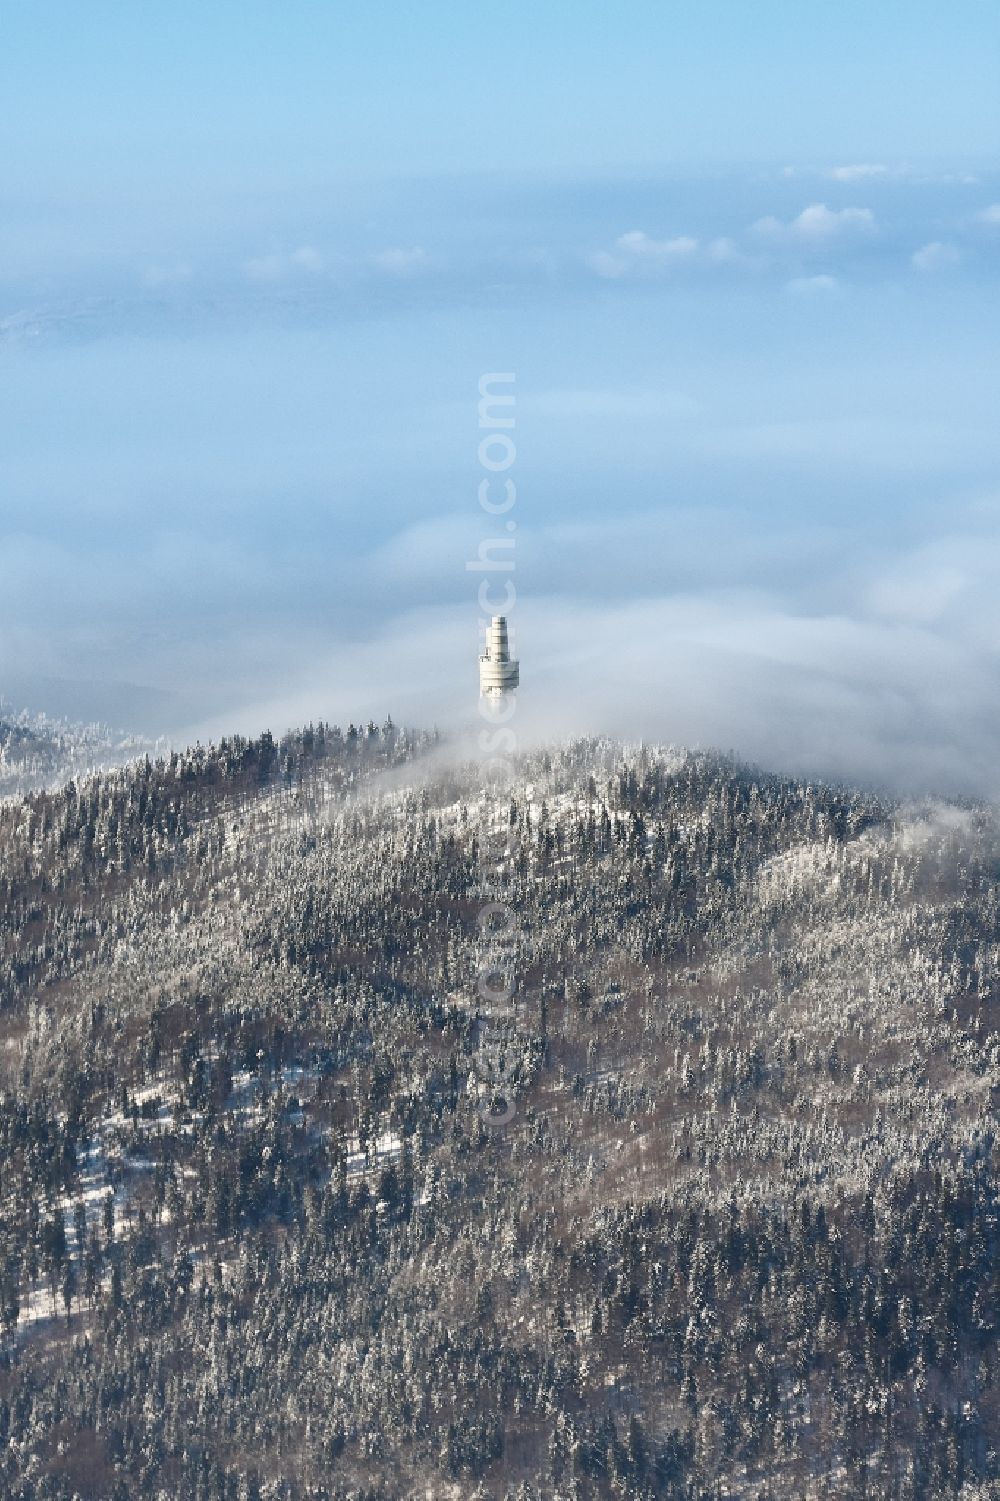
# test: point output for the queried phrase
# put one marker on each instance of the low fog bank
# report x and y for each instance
(906, 705)
(901, 690)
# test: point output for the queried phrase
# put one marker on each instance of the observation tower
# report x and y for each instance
(498, 673)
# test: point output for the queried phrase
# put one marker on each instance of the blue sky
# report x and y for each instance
(253, 260)
(248, 93)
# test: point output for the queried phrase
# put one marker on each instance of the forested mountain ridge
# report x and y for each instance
(286, 1210)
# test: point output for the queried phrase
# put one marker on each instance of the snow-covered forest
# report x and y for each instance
(38, 752)
(287, 1211)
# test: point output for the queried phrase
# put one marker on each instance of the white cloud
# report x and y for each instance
(638, 243)
(936, 256)
(919, 589)
(726, 252)
(813, 286)
(990, 215)
(307, 258)
(400, 262)
(280, 265)
(638, 252)
(858, 171)
(880, 172)
(607, 265)
(816, 224)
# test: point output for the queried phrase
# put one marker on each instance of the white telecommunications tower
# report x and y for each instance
(498, 673)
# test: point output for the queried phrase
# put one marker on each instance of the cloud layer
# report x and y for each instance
(757, 463)
(405, 244)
